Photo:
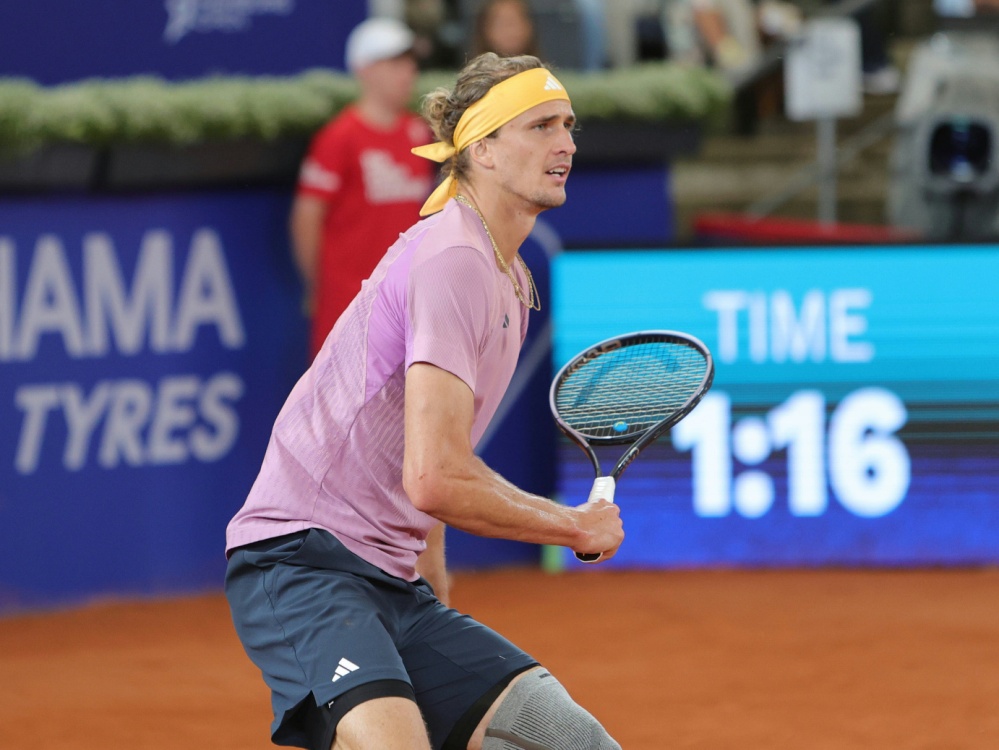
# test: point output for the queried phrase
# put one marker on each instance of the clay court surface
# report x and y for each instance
(769, 660)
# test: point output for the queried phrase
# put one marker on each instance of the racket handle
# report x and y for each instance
(603, 489)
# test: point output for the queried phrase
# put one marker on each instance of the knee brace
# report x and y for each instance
(538, 714)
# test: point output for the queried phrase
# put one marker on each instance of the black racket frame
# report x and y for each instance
(641, 440)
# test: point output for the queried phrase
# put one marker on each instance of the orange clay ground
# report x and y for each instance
(820, 660)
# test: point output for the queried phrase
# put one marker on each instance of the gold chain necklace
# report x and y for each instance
(532, 301)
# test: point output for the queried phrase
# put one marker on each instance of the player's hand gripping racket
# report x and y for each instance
(628, 390)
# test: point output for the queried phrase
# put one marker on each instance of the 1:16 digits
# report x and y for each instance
(868, 465)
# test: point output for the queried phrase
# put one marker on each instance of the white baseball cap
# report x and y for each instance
(377, 39)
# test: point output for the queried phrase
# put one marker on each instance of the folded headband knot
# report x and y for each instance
(503, 102)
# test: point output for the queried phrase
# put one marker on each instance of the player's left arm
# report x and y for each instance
(431, 564)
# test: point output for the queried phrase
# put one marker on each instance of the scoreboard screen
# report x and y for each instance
(854, 418)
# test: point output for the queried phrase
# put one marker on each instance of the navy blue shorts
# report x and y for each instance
(329, 630)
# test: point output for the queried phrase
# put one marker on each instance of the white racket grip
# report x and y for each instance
(603, 489)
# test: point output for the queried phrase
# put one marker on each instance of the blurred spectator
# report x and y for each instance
(879, 75)
(569, 33)
(593, 21)
(387, 9)
(439, 40)
(506, 28)
(965, 8)
(359, 185)
(720, 33)
(438, 34)
(778, 20)
(624, 18)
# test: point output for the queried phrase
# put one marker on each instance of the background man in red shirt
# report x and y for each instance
(359, 185)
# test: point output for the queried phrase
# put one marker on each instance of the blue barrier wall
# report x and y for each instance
(854, 417)
(146, 345)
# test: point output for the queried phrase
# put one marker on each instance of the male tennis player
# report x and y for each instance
(336, 574)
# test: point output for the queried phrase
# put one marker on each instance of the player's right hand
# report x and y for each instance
(603, 529)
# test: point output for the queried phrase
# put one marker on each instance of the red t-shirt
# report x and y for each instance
(374, 187)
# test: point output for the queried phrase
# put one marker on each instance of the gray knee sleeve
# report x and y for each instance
(538, 714)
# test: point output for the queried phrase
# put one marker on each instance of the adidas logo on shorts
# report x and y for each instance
(344, 668)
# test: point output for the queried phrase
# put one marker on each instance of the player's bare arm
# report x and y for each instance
(444, 478)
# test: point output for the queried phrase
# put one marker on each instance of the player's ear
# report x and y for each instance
(481, 153)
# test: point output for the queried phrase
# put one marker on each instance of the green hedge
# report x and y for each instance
(101, 112)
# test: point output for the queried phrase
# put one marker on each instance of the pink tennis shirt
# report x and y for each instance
(334, 459)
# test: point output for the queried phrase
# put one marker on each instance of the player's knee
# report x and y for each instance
(538, 714)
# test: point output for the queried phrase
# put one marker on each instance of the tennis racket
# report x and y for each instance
(628, 390)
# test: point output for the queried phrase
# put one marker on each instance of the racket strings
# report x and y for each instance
(628, 390)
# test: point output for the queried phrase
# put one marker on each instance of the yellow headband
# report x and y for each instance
(503, 102)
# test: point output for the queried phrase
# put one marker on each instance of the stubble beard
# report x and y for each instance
(539, 198)
(545, 199)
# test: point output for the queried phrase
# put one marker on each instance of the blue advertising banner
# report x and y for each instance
(854, 417)
(146, 345)
(56, 41)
